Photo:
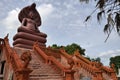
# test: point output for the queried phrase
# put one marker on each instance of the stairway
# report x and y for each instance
(41, 70)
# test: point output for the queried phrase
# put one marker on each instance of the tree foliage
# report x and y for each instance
(70, 48)
(110, 8)
(98, 59)
(88, 58)
(116, 61)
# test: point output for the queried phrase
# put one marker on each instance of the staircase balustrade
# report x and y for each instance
(69, 74)
(20, 73)
(83, 63)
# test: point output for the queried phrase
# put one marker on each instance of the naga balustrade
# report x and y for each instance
(14, 61)
(75, 61)
(36, 48)
(85, 64)
(96, 68)
(96, 73)
(69, 74)
(110, 72)
(64, 53)
(81, 57)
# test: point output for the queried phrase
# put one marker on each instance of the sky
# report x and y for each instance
(63, 22)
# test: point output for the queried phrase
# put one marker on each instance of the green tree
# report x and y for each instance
(70, 48)
(111, 9)
(55, 46)
(98, 59)
(87, 57)
(116, 61)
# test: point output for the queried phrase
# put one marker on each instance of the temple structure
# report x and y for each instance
(30, 59)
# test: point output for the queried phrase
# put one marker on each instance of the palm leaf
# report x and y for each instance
(117, 20)
(109, 10)
(100, 4)
(110, 20)
(86, 1)
(106, 28)
(99, 15)
(88, 17)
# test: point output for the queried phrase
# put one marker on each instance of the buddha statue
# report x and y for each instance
(28, 32)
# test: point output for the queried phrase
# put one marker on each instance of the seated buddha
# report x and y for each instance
(28, 32)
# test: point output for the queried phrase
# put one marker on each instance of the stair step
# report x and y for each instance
(46, 77)
(41, 70)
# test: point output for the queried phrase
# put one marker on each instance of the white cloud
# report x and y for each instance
(109, 53)
(45, 10)
(11, 21)
(105, 56)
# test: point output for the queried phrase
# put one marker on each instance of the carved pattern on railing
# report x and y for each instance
(21, 71)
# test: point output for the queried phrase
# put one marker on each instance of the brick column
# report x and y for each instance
(69, 75)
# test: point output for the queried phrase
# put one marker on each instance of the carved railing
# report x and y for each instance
(94, 72)
(93, 68)
(83, 59)
(90, 68)
(109, 72)
(85, 64)
(12, 58)
(64, 53)
(51, 52)
(69, 74)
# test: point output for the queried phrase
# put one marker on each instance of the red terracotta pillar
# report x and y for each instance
(69, 75)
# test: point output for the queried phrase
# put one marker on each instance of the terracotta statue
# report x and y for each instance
(26, 57)
(28, 32)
